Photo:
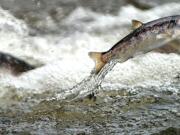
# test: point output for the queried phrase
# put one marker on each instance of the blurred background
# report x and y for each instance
(140, 96)
(46, 16)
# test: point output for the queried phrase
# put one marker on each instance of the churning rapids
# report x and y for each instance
(140, 96)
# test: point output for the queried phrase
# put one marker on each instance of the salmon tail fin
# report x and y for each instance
(97, 57)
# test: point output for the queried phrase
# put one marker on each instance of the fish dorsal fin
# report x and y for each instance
(136, 24)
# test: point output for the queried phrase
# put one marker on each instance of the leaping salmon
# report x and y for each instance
(145, 38)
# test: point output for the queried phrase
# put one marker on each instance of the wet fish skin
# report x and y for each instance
(142, 40)
(15, 65)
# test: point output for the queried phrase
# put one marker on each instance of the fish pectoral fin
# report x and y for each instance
(172, 47)
(167, 34)
(136, 24)
(138, 54)
(97, 57)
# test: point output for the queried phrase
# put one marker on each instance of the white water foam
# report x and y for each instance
(66, 60)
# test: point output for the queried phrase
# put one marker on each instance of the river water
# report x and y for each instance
(60, 96)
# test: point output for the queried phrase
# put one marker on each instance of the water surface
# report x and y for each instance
(140, 96)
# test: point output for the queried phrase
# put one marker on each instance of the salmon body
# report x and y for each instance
(143, 39)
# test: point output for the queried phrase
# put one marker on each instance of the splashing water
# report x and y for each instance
(88, 85)
(136, 97)
(91, 84)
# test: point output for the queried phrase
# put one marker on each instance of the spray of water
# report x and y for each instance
(92, 83)
(88, 85)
